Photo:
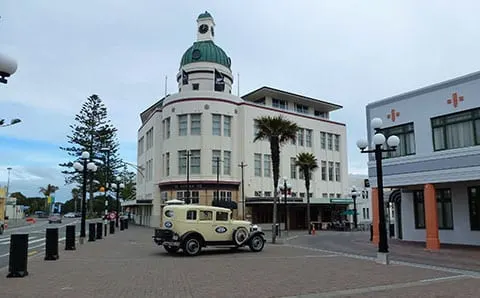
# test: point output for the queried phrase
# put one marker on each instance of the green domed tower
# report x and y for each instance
(204, 57)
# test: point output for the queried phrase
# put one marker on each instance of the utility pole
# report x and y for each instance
(8, 181)
(243, 165)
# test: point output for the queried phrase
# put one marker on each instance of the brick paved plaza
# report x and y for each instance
(129, 264)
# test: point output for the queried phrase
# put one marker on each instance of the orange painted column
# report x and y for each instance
(375, 216)
(431, 218)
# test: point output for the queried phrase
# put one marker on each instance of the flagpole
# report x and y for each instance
(238, 84)
(166, 81)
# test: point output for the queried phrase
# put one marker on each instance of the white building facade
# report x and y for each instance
(435, 172)
(183, 134)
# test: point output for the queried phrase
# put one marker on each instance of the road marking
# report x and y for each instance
(32, 253)
(470, 273)
(382, 287)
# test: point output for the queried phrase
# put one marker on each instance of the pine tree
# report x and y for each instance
(129, 179)
(91, 132)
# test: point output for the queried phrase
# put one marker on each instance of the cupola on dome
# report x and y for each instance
(204, 15)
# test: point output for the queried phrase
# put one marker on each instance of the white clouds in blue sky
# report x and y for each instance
(347, 52)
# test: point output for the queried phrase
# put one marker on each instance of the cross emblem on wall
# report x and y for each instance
(455, 99)
(393, 115)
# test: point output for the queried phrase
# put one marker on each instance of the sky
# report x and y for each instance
(347, 52)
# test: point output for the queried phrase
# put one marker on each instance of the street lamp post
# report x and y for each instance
(243, 165)
(285, 188)
(8, 66)
(354, 198)
(118, 187)
(8, 181)
(378, 141)
(84, 168)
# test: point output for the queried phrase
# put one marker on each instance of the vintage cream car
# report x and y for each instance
(191, 227)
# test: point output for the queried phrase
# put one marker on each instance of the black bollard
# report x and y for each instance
(122, 224)
(112, 227)
(51, 244)
(91, 231)
(99, 230)
(70, 238)
(106, 229)
(126, 224)
(17, 266)
(371, 232)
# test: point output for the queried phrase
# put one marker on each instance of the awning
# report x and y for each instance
(349, 212)
(341, 201)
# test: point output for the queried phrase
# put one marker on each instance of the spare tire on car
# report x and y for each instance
(240, 235)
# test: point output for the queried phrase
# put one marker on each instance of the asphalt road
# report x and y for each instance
(36, 236)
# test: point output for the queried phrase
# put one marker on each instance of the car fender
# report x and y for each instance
(192, 233)
(256, 233)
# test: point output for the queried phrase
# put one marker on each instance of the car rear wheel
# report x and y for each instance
(192, 246)
(256, 243)
(171, 249)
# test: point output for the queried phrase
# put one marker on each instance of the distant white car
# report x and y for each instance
(69, 215)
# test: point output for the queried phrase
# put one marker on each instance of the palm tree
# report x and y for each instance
(277, 130)
(47, 191)
(307, 163)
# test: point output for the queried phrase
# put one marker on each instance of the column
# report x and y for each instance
(431, 217)
(375, 216)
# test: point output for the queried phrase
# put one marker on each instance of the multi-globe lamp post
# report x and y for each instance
(118, 187)
(8, 67)
(378, 142)
(84, 167)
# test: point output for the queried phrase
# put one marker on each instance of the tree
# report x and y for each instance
(47, 192)
(307, 163)
(129, 179)
(91, 132)
(277, 130)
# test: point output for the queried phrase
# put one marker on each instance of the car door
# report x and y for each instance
(222, 227)
(206, 225)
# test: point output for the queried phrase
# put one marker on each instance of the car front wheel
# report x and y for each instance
(192, 246)
(256, 243)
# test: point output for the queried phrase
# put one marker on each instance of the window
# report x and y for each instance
(330, 137)
(293, 168)
(166, 128)
(221, 216)
(456, 130)
(474, 207)
(308, 137)
(196, 86)
(337, 171)
(227, 158)
(419, 209)
(302, 195)
(182, 162)
(227, 126)
(301, 108)
(140, 146)
(324, 195)
(194, 197)
(255, 127)
(337, 142)
(330, 171)
(195, 124)
(444, 209)
(149, 170)
(331, 195)
(406, 135)
(215, 154)
(300, 139)
(216, 124)
(150, 138)
(322, 140)
(366, 213)
(278, 103)
(195, 161)
(268, 194)
(206, 215)
(182, 125)
(301, 175)
(324, 170)
(258, 164)
(267, 165)
(140, 177)
(192, 215)
(167, 164)
(257, 193)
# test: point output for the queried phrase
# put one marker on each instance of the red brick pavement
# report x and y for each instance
(129, 264)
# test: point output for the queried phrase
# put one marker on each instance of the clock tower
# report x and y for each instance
(205, 27)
